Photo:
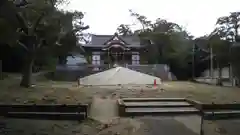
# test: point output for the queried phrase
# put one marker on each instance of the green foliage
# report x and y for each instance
(221, 50)
(7, 32)
(235, 56)
(38, 26)
(167, 43)
(124, 30)
(228, 26)
(70, 35)
(146, 24)
(227, 29)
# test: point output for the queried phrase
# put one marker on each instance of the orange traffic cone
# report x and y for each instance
(155, 83)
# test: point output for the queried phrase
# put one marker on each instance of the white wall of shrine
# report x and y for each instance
(135, 58)
(96, 58)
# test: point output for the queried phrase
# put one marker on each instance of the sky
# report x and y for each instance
(196, 16)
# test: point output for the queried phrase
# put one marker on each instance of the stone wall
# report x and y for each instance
(225, 73)
(73, 72)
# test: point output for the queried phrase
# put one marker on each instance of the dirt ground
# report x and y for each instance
(46, 92)
(50, 92)
(121, 126)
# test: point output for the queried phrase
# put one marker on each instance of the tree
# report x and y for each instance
(160, 36)
(124, 30)
(4, 29)
(35, 25)
(235, 56)
(146, 24)
(174, 45)
(229, 25)
(220, 49)
(69, 39)
(201, 55)
(167, 42)
(32, 25)
(228, 29)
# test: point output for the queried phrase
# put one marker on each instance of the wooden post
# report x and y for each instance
(108, 59)
(117, 57)
(201, 125)
(211, 63)
(123, 58)
(78, 82)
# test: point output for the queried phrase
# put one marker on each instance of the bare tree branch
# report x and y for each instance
(21, 44)
(37, 22)
(22, 22)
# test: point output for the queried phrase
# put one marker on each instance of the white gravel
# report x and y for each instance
(119, 76)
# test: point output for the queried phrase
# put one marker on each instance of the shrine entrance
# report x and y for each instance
(116, 58)
(116, 54)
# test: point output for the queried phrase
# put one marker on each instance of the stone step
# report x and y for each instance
(160, 111)
(150, 104)
(152, 99)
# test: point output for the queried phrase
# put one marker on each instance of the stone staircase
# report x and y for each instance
(176, 106)
(155, 106)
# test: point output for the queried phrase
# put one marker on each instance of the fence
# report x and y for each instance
(48, 112)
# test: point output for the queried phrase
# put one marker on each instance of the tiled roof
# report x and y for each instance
(99, 40)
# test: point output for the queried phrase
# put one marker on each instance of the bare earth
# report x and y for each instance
(49, 92)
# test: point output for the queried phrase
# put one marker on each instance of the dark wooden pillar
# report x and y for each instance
(108, 55)
(123, 58)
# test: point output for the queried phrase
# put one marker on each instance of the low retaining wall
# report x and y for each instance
(47, 112)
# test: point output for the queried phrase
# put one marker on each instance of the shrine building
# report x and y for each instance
(114, 49)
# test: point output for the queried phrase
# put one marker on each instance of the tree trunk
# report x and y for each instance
(27, 72)
(1, 73)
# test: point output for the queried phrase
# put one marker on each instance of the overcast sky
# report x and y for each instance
(197, 16)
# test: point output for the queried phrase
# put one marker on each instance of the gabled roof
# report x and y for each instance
(116, 39)
(100, 40)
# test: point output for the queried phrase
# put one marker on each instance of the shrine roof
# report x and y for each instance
(100, 40)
